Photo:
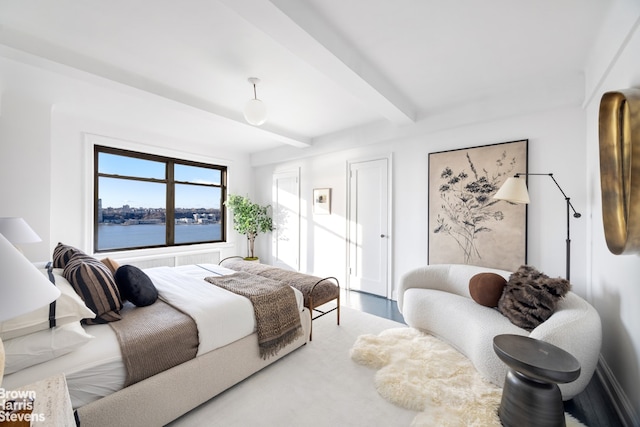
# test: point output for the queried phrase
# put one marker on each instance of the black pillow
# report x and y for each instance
(135, 286)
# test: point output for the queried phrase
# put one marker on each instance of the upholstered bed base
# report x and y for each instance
(166, 396)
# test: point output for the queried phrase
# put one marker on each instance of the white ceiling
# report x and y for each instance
(326, 65)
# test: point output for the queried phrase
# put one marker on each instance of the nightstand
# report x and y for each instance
(52, 405)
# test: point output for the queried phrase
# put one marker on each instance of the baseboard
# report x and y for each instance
(616, 395)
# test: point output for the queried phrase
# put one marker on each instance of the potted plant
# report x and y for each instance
(250, 219)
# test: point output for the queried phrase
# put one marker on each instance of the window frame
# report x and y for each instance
(170, 183)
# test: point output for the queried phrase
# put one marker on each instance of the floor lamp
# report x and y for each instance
(514, 190)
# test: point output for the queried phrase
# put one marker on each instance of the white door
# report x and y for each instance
(285, 248)
(368, 226)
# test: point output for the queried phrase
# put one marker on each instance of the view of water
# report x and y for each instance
(124, 236)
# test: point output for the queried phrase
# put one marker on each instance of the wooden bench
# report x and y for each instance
(316, 291)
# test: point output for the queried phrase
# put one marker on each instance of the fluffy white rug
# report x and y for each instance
(419, 372)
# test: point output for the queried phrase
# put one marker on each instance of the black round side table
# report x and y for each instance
(531, 396)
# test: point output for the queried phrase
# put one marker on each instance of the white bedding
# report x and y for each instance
(93, 371)
(231, 315)
(96, 369)
(225, 315)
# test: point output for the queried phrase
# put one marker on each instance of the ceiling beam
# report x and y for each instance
(294, 25)
(21, 47)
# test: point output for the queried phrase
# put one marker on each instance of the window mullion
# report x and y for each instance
(171, 205)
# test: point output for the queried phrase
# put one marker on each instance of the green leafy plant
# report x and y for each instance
(249, 219)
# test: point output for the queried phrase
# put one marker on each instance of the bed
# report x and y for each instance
(96, 372)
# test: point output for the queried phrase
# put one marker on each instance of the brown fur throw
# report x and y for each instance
(530, 297)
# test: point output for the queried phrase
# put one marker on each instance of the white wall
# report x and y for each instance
(25, 166)
(46, 161)
(614, 278)
(554, 137)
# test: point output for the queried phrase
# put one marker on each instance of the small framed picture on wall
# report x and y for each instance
(321, 201)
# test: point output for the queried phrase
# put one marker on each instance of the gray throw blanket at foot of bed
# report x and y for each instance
(154, 338)
(275, 307)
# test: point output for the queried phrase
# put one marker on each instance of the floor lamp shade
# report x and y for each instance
(513, 190)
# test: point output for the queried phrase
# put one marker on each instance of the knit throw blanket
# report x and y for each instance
(154, 338)
(274, 305)
(323, 289)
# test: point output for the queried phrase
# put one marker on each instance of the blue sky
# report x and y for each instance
(116, 192)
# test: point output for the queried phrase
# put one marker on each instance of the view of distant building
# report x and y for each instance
(127, 215)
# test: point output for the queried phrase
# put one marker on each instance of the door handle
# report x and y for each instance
(382, 236)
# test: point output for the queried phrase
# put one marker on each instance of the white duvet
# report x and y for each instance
(224, 316)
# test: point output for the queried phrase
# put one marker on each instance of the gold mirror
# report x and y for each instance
(619, 124)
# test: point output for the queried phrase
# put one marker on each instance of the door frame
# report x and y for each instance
(389, 158)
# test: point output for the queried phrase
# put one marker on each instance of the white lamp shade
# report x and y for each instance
(255, 112)
(22, 287)
(513, 190)
(16, 230)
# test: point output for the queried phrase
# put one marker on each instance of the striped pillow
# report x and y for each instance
(63, 253)
(93, 281)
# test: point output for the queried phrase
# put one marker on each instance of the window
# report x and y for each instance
(144, 201)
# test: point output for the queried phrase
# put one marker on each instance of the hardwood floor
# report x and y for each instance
(592, 407)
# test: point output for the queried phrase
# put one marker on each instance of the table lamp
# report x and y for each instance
(17, 231)
(23, 288)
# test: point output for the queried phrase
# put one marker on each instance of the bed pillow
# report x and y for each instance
(111, 263)
(63, 253)
(135, 286)
(69, 308)
(486, 288)
(531, 297)
(42, 346)
(93, 281)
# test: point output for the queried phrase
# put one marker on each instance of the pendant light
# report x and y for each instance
(255, 112)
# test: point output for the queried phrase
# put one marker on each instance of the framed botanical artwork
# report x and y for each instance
(466, 224)
(321, 201)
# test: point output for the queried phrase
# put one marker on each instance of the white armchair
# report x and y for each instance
(436, 300)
